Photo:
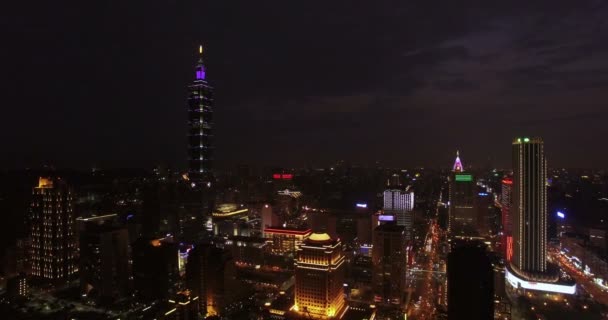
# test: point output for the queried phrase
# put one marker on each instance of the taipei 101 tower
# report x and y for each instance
(200, 134)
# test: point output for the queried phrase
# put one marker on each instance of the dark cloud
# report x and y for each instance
(408, 82)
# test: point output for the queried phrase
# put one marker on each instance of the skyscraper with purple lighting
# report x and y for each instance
(200, 124)
(462, 214)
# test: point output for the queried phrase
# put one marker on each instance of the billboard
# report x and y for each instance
(463, 177)
(386, 218)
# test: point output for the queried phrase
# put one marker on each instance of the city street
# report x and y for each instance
(583, 282)
(426, 278)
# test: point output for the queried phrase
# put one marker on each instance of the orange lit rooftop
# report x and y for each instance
(45, 182)
(288, 231)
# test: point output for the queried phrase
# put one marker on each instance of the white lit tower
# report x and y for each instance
(529, 211)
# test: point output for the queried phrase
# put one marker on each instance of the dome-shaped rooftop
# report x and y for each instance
(321, 237)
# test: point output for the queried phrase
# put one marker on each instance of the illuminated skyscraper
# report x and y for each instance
(399, 202)
(457, 163)
(529, 268)
(200, 124)
(53, 240)
(505, 202)
(529, 206)
(461, 199)
(320, 277)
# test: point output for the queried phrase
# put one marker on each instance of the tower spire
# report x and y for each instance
(200, 66)
(457, 163)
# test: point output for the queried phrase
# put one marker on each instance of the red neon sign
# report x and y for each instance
(507, 181)
(282, 176)
(509, 252)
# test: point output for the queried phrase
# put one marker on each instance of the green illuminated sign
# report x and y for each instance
(464, 177)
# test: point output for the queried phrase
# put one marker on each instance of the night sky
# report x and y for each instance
(304, 82)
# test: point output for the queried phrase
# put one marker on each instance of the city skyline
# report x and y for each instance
(283, 95)
(273, 160)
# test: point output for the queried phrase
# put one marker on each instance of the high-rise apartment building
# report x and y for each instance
(319, 289)
(53, 247)
(200, 124)
(389, 260)
(210, 275)
(104, 258)
(505, 203)
(399, 202)
(529, 206)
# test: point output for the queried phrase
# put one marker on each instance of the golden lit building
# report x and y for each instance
(319, 289)
(53, 239)
(285, 240)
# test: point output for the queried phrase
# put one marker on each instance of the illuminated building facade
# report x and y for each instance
(53, 239)
(285, 240)
(200, 124)
(457, 167)
(505, 202)
(528, 268)
(399, 202)
(461, 198)
(230, 219)
(319, 289)
(389, 260)
(529, 206)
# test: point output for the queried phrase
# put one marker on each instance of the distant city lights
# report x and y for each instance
(361, 205)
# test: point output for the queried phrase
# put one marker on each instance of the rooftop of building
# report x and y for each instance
(226, 210)
(358, 313)
(390, 227)
(288, 230)
(320, 239)
(521, 140)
